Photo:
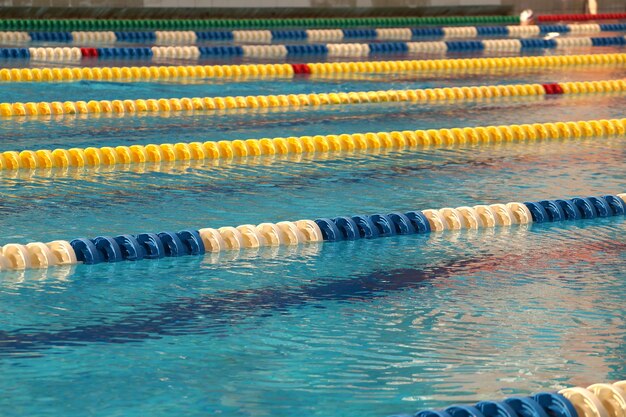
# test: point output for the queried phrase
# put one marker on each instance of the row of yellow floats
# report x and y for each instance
(144, 73)
(295, 101)
(211, 150)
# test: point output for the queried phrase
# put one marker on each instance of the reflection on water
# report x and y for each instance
(140, 198)
(26, 133)
(457, 317)
(79, 131)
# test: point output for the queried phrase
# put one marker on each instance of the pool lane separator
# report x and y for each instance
(221, 24)
(294, 23)
(597, 400)
(310, 145)
(331, 50)
(186, 37)
(301, 101)
(129, 247)
(152, 73)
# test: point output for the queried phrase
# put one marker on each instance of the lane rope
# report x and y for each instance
(182, 24)
(164, 24)
(299, 101)
(145, 73)
(283, 51)
(311, 35)
(197, 242)
(580, 17)
(597, 400)
(359, 142)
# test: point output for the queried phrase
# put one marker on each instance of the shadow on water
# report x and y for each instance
(201, 314)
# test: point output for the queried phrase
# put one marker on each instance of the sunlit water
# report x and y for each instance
(367, 328)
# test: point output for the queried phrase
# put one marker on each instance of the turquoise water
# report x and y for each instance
(416, 322)
(365, 328)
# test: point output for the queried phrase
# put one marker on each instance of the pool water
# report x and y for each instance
(366, 328)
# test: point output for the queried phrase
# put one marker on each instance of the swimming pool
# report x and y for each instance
(354, 328)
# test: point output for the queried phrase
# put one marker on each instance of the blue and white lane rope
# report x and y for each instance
(597, 400)
(196, 242)
(282, 51)
(311, 35)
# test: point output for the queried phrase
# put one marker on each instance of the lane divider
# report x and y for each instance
(171, 167)
(282, 51)
(580, 17)
(184, 24)
(597, 400)
(399, 33)
(144, 73)
(297, 101)
(360, 142)
(197, 242)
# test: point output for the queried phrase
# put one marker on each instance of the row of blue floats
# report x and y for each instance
(380, 225)
(545, 404)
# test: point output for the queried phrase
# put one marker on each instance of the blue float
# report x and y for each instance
(526, 407)
(569, 209)
(617, 204)
(432, 413)
(555, 404)
(173, 245)
(192, 240)
(130, 247)
(538, 212)
(367, 228)
(464, 411)
(586, 207)
(555, 213)
(402, 224)
(554, 28)
(492, 30)
(86, 251)
(383, 224)
(602, 207)
(347, 227)
(419, 221)
(496, 409)
(152, 245)
(108, 248)
(427, 32)
(329, 229)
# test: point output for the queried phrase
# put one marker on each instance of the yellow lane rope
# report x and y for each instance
(288, 70)
(294, 101)
(212, 150)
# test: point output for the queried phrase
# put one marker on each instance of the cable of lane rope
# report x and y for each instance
(295, 101)
(145, 73)
(197, 242)
(224, 149)
(597, 400)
